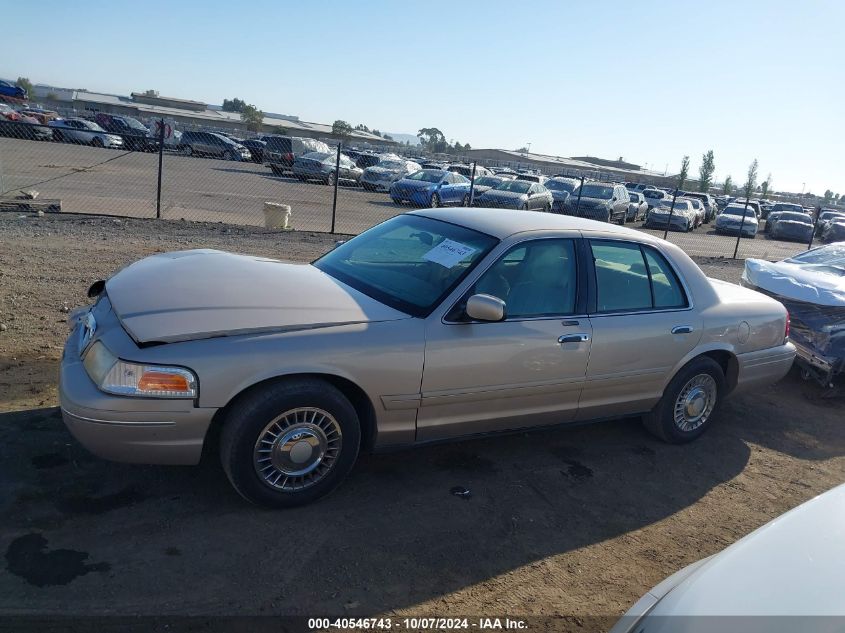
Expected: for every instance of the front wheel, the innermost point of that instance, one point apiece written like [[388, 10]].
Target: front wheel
[[435, 201], [547, 208], [465, 201], [330, 179], [97, 142], [692, 397], [289, 443], [227, 155]]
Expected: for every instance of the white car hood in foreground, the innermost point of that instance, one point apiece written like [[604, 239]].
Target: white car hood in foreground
[[197, 294], [821, 284], [792, 566]]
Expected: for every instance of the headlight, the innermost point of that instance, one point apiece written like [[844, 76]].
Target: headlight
[[124, 378]]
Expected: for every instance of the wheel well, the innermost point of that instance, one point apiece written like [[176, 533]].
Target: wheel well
[[359, 400], [729, 365]]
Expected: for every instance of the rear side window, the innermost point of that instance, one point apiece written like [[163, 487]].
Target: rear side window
[[630, 278]]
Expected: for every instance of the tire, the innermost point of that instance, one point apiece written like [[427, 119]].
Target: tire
[[187, 150], [58, 136], [227, 155], [276, 171], [435, 201], [547, 208], [286, 408], [465, 201], [524, 207], [330, 179], [661, 420], [97, 142]]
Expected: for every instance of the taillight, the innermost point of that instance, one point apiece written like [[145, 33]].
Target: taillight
[[786, 331], [288, 156]]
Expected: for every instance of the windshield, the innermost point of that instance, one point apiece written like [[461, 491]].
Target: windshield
[[749, 212], [409, 263], [426, 175], [680, 205], [795, 217], [561, 185], [517, 186], [134, 123], [597, 191], [91, 125], [826, 215], [225, 139], [788, 207], [488, 181]]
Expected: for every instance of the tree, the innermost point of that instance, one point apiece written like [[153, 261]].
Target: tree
[[387, 137], [26, 84], [766, 185], [150, 93], [467, 147], [376, 132], [341, 129], [682, 176], [252, 117], [705, 172], [729, 185], [751, 181], [430, 135], [233, 105], [362, 128], [828, 196], [522, 150]]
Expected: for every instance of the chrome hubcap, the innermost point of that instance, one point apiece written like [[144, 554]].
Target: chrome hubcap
[[297, 449], [695, 403]]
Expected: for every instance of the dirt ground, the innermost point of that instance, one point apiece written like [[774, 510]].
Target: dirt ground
[[576, 522]]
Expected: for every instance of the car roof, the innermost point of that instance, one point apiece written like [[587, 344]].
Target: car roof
[[501, 223]]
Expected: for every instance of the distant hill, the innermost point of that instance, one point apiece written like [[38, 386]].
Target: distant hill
[[401, 138]]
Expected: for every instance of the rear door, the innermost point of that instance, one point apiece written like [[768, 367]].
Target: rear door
[[643, 325]]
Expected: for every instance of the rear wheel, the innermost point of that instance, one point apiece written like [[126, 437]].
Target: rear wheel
[[276, 170], [524, 207], [692, 397], [289, 443], [187, 150], [465, 201], [435, 201], [547, 208], [330, 179]]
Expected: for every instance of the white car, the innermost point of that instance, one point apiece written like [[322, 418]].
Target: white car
[[681, 217], [83, 131], [699, 209], [785, 576], [389, 170]]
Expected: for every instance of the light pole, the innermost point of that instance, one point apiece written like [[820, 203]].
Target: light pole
[[529, 147]]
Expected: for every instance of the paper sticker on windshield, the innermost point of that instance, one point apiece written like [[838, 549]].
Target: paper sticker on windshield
[[448, 253]]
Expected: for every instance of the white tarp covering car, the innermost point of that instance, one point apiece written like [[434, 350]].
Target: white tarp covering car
[[812, 287]]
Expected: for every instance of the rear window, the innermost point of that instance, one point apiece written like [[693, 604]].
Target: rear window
[[278, 143]]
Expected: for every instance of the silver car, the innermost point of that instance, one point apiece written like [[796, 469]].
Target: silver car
[[517, 194], [380, 177], [83, 131], [436, 324], [781, 578]]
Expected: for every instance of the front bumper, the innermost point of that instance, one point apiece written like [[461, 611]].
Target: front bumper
[[418, 197], [124, 429], [765, 366], [734, 230], [378, 185], [679, 222]]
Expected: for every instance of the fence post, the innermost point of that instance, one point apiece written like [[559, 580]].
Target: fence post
[[336, 179], [742, 224], [815, 227], [671, 213], [472, 185], [161, 125], [578, 202]]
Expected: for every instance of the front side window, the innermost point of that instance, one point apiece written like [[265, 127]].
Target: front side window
[[534, 280], [631, 277], [409, 263]]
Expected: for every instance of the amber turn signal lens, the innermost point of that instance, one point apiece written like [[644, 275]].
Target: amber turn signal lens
[[160, 381]]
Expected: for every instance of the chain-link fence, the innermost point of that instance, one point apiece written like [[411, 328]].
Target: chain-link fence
[[97, 165]]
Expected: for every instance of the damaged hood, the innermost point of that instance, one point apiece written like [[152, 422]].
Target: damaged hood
[[816, 276], [195, 294]]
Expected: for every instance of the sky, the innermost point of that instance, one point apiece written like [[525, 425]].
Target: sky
[[648, 81]]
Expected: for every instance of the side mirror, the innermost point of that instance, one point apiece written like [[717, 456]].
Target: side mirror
[[485, 308]]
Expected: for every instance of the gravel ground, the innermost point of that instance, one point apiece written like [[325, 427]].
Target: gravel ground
[[578, 521]]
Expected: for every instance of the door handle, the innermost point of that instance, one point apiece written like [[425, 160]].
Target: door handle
[[573, 338], [682, 329]]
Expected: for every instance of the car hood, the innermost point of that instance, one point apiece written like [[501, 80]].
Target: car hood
[[415, 184], [381, 171], [196, 294], [596, 202], [789, 567]]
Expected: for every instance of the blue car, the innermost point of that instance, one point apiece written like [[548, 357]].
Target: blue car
[[431, 188], [8, 89]]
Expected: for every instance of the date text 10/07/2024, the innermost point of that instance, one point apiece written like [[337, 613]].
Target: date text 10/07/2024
[[417, 624]]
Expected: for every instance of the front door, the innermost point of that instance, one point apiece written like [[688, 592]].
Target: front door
[[527, 370], [642, 327]]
